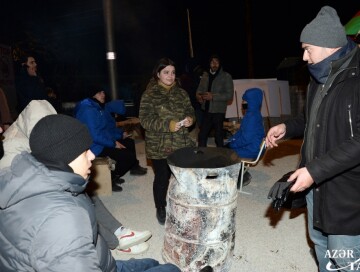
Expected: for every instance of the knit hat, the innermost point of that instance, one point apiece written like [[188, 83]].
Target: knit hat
[[93, 89], [59, 138], [325, 30]]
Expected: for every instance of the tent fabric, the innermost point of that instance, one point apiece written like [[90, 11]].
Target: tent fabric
[[353, 26]]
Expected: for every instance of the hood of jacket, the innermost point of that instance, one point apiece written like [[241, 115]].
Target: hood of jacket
[[254, 98], [16, 137], [114, 106], [26, 177], [86, 102]]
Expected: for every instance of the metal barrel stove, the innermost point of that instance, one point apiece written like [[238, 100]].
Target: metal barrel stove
[[201, 208]]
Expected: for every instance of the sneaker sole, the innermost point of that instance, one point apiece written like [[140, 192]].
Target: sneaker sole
[[135, 250], [132, 242]]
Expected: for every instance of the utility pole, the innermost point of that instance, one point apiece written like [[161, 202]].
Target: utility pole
[[190, 36], [248, 29], [110, 47]]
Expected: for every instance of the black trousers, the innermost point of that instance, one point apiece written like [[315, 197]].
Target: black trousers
[[125, 157], [209, 121], [161, 181]]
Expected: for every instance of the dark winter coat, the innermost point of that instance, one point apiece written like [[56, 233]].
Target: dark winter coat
[[222, 89], [335, 167], [29, 88]]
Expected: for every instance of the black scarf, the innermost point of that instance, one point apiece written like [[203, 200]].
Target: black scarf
[[321, 70]]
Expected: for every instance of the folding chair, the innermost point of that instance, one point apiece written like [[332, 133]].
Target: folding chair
[[246, 164]]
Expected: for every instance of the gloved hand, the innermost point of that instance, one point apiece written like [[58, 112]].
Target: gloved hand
[[279, 192]]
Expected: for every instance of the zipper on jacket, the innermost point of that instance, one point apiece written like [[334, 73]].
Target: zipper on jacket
[[350, 121]]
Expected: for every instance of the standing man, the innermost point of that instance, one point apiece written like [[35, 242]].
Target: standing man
[[330, 161], [215, 89]]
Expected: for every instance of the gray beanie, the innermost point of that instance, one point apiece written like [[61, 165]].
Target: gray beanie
[[325, 30], [59, 138]]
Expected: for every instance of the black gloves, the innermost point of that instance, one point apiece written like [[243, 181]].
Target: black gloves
[[283, 198], [279, 192]]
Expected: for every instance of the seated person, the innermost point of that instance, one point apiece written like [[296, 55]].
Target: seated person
[[247, 140], [16, 140], [55, 227], [109, 140]]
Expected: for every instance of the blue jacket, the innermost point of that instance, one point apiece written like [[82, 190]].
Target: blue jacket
[[101, 123], [246, 141]]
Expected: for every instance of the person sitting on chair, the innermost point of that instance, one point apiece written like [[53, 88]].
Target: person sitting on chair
[[247, 140], [109, 140]]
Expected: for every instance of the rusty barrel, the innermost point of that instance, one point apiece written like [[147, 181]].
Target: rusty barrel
[[201, 208]]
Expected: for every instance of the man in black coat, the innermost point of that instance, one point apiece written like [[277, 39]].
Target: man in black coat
[[330, 167]]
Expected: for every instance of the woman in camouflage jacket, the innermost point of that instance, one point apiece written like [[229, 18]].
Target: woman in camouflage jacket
[[165, 114]]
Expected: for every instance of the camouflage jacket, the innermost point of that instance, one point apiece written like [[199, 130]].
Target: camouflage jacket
[[158, 107]]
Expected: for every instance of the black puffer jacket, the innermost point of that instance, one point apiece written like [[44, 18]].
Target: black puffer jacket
[[335, 166]]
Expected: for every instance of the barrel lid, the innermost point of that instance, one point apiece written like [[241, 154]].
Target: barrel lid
[[203, 157]]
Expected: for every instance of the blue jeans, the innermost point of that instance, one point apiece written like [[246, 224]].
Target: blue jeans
[[145, 264], [327, 244]]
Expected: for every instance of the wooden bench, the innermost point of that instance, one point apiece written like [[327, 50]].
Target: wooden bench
[[132, 125], [100, 178]]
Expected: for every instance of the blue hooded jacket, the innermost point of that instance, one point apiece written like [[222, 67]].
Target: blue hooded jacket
[[101, 123], [246, 141]]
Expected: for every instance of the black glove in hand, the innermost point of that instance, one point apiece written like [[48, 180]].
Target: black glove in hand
[[279, 192], [283, 198]]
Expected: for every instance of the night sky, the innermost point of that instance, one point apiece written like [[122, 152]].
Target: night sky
[[69, 38]]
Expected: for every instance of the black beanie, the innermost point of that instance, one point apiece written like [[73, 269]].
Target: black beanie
[[59, 138], [325, 30], [93, 89]]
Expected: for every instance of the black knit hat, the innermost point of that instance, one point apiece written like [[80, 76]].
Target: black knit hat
[[59, 138], [325, 30], [93, 89]]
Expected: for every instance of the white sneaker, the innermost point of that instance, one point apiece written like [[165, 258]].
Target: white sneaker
[[129, 238], [137, 249]]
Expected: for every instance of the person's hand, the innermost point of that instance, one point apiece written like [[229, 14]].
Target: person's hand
[[126, 135], [207, 96], [188, 121], [199, 98], [303, 180], [119, 145], [274, 134]]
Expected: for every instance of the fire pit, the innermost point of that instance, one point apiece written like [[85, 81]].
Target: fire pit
[[201, 208]]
